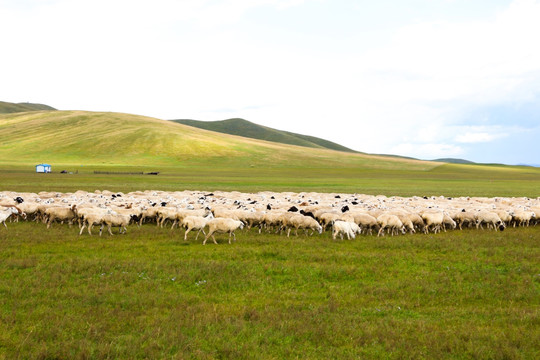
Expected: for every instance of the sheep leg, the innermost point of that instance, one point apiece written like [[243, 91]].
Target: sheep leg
[[82, 228], [198, 232], [109, 226], [174, 224], [101, 229], [210, 233], [185, 234]]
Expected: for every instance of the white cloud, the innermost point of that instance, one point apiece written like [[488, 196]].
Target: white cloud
[[478, 137], [428, 151]]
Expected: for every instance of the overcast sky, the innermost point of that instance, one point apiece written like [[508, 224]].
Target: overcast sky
[[420, 78]]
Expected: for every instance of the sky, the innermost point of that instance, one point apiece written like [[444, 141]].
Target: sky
[[421, 78]]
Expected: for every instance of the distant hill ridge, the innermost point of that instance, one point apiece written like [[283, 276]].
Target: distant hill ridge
[[454, 161], [10, 108], [245, 128]]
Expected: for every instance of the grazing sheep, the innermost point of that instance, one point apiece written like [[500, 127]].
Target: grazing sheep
[[391, 222], [464, 218], [448, 221], [417, 222], [433, 220], [490, 219], [523, 218], [222, 225]]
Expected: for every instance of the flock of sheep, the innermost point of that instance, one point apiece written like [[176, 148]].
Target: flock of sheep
[[225, 212]]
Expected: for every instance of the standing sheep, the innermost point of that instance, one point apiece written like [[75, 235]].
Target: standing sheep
[[222, 225], [196, 223]]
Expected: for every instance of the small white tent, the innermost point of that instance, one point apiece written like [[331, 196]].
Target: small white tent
[[43, 168]]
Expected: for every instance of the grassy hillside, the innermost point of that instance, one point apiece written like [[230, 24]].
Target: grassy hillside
[[8, 108], [88, 138], [248, 129]]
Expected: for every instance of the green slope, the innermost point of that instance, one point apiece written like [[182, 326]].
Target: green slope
[[248, 129], [81, 137], [9, 108]]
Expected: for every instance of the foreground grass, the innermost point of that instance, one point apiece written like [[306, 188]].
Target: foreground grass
[[466, 294]]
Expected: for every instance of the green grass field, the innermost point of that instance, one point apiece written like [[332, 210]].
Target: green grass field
[[148, 294], [447, 180]]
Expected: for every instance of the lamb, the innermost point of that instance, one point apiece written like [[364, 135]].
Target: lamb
[[222, 225], [196, 223], [349, 228], [299, 221], [391, 222]]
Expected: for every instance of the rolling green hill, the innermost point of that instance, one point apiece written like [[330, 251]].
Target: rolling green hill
[[9, 108], [94, 138], [248, 129]]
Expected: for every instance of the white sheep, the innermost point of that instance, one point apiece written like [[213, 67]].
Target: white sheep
[[349, 228], [299, 221], [391, 222], [464, 218], [7, 211], [122, 221], [448, 221], [61, 213], [193, 222], [433, 221], [366, 222], [523, 218], [222, 225], [490, 218], [88, 217]]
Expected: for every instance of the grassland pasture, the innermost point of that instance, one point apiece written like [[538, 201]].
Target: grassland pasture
[[149, 294]]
